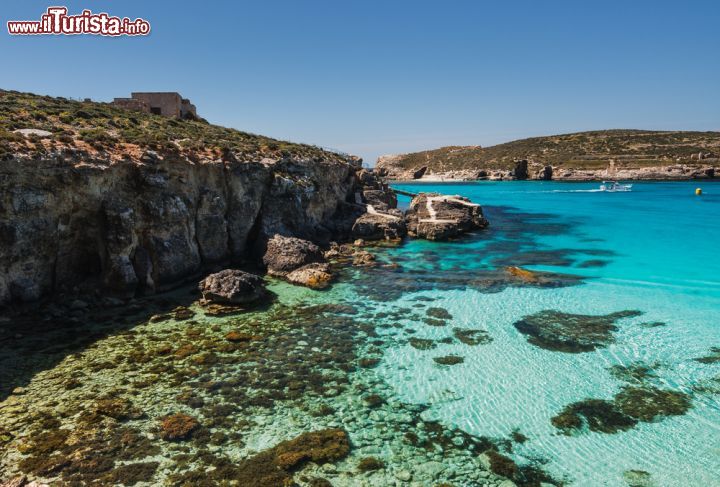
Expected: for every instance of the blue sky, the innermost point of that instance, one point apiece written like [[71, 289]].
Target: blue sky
[[374, 77]]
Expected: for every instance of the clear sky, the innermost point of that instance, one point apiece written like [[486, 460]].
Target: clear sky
[[374, 77]]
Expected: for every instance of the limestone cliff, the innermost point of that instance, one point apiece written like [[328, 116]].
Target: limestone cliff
[[144, 226], [128, 214]]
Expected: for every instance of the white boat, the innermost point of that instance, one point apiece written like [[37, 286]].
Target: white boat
[[614, 187]]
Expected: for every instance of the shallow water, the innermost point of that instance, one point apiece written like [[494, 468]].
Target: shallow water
[[657, 253], [362, 357]]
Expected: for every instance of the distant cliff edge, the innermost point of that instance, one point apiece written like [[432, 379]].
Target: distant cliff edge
[[597, 155]]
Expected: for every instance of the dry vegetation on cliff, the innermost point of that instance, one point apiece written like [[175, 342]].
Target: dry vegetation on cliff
[[105, 130], [582, 150]]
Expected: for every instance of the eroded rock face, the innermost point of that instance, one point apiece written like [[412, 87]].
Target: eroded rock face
[[440, 217], [232, 286], [419, 173], [545, 174], [520, 172], [286, 254], [144, 225]]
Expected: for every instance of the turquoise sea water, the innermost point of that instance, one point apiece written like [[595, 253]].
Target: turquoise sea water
[[654, 250]]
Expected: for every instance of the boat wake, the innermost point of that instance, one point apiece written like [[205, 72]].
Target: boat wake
[[574, 191]]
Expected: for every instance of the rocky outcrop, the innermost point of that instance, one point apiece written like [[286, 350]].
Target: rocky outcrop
[[298, 261], [418, 173], [285, 254], [148, 224], [232, 286], [545, 174], [520, 172], [433, 216], [380, 226]]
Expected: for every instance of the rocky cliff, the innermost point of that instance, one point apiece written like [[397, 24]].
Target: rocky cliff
[[618, 154], [132, 215], [143, 226]]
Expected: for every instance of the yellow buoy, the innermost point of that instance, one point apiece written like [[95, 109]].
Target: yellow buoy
[[698, 191]]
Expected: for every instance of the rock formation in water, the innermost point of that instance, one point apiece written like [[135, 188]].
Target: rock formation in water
[[433, 216], [232, 286]]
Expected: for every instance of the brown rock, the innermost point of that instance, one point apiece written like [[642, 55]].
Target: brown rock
[[274, 467], [232, 286], [315, 276], [285, 254], [177, 427]]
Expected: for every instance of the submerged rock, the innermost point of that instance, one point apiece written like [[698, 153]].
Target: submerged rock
[[422, 343], [285, 254], [571, 333], [433, 216], [633, 373], [363, 258], [630, 406], [177, 427], [449, 360], [648, 403], [369, 464], [472, 337], [522, 274], [712, 358], [637, 478], [232, 286], [596, 414], [274, 467], [438, 313]]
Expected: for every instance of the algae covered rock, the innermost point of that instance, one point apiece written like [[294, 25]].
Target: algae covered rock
[[178, 427], [232, 286], [472, 337], [648, 403], [637, 478], [570, 333], [275, 466], [628, 407], [597, 414], [449, 360]]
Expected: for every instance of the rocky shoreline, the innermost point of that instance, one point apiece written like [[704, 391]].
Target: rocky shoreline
[[132, 228], [534, 172]]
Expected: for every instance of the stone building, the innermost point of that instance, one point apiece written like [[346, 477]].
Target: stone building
[[168, 104]]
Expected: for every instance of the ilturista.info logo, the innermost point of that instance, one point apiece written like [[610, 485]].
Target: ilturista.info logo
[[56, 21]]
